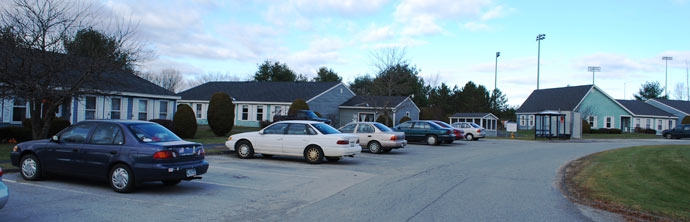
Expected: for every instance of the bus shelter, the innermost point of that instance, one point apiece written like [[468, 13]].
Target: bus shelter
[[550, 124]]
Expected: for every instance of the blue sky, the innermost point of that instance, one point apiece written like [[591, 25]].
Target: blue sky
[[450, 41]]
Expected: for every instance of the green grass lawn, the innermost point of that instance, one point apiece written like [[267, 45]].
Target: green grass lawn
[[648, 179]]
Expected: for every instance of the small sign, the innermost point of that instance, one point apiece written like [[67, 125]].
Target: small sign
[[511, 127]]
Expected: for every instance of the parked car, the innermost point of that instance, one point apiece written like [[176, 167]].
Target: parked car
[[4, 192], [472, 130], [123, 152], [426, 130], [459, 133], [376, 137], [680, 131], [312, 140], [302, 115]]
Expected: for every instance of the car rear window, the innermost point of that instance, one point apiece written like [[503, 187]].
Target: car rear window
[[325, 128], [152, 132], [382, 128]]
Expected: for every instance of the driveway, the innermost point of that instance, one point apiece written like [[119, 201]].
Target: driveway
[[485, 180]]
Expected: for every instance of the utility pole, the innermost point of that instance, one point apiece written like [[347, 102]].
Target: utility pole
[[539, 38]]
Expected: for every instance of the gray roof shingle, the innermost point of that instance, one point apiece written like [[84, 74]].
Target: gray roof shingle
[[375, 101], [259, 91], [565, 98], [641, 108], [681, 105]]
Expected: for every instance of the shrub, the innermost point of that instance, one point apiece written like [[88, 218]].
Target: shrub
[[686, 120], [20, 134], [264, 123], [405, 119], [166, 123], [385, 120], [586, 128], [298, 104], [184, 122], [56, 125], [221, 114]]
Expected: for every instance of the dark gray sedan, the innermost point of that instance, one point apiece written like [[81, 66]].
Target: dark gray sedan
[[123, 152]]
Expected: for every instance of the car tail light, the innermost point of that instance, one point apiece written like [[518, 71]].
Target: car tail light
[[164, 154], [0, 172], [479, 131], [343, 142], [394, 138]]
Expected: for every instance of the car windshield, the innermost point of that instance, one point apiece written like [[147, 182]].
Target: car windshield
[[325, 128], [151, 132], [382, 127]]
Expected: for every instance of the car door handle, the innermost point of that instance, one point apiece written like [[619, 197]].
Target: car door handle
[[368, 135]]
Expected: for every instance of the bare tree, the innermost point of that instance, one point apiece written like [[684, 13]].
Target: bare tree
[[679, 92], [36, 67], [385, 58], [170, 79], [210, 77]]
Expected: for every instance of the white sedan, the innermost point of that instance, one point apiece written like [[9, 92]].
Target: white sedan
[[309, 139]]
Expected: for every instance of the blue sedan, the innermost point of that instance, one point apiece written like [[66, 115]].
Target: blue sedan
[[123, 152]]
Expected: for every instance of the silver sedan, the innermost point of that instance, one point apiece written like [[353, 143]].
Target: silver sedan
[[376, 137]]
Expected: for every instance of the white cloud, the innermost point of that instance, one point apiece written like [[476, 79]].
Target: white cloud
[[474, 26]]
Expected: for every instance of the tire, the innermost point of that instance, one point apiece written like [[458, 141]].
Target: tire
[[244, 150], [313, 154], [171, 182], [30, 168], [375, 147], [668, 136], [121, 179], [469, 137], [432, 140], [332, 158]]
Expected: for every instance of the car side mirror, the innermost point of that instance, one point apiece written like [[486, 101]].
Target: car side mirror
[[55, 138]]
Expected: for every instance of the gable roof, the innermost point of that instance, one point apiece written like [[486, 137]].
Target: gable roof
[[374, 101], [565, 98], [127, 83], [259, 91], [475, 115], [680, 105], [639, 108]]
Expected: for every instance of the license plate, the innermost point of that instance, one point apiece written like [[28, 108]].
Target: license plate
[[191, 172]]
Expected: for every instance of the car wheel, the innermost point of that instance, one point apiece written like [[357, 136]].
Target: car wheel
[[469, 137], [332, 159], [432, 140], [244, 150], [668, 136], [30, 167], [313, 154], [121, 179], [374, 147], [171, 182]]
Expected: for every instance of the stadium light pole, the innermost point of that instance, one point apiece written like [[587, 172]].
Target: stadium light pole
[[496, 70], [593, 69], [539, 38], [666, 58]]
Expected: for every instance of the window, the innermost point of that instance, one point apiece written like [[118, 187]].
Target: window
[[592, 120], [637, 122], [365, 128], [350, 128], [198, 111], [245, 112], [531, 120], [19, 110], [609, 122], [278, 128], [522, 120], [259, 113], [115, 108], [648, 124], [90, 107], [76, 134], [366, 117], [659, 124], [297, 129], [670, 124], [143, 109], [107, 134], [163, 110]]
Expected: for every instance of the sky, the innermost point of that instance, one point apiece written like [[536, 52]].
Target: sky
[[449, 41]]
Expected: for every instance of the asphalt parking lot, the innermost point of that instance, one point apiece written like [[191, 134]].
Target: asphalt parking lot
[[485, 180]]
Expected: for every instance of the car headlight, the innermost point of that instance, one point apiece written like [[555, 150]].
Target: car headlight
[[229, 138]]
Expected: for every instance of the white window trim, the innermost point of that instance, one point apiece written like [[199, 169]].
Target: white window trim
[[613, 122]]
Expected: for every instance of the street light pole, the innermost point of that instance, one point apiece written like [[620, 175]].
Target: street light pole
[[593, 69], [666, 58], [539, 38], [496, 70]]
